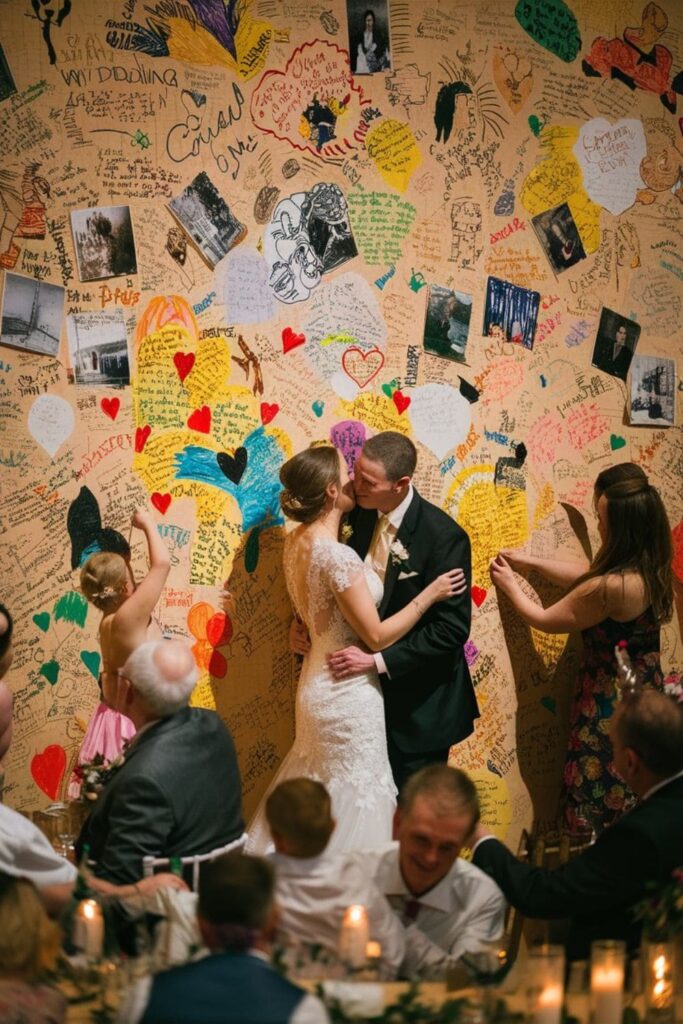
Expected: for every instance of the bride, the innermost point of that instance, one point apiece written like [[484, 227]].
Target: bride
[[339, 726]]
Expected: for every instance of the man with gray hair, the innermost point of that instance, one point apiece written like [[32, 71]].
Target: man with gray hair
[[178, 792]]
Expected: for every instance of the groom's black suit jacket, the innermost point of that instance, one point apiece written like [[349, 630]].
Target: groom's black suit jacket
[[428, 695], [598, 888]]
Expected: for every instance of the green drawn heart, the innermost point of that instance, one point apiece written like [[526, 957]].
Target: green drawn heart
[[42, 621], [616, 442], [318, 407], [389, 388], [51, 671], [550, 703], [91, 660]]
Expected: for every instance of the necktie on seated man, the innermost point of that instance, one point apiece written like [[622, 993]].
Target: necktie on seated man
[[411, 908], [381, 543]]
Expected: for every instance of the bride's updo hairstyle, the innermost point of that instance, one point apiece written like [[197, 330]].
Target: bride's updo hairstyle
[[103, 580], [305, 479]]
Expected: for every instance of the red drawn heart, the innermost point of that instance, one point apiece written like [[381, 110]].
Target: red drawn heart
[[184, 361], [291, 340], [161, 502], [110, 407], [219, 630], [141, 435], [479, 595], [218, 666], [362, 366], [48, 769], [268, 412], [200, 420], [401, 401]]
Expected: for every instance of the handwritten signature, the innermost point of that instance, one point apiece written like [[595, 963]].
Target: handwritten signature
[[186, 138]]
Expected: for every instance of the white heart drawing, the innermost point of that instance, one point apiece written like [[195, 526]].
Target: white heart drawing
[[50, 421], [610, 156], [440, 417]]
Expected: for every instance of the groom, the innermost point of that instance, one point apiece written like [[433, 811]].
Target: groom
[[428, 694]]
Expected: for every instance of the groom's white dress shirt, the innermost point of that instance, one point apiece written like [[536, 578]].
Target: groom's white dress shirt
[[462, 912], [313, 893], [395, 518]]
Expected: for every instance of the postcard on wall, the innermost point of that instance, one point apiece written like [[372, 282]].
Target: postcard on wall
[[32, 313], [98, 349], [558, 234], [653, 391], [103, 240], [511, 312], [369, 46], [615, 343], [7, 86], [206, 218], [447, 322]]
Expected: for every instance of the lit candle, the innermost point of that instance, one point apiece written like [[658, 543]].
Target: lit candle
[[607, 986], [373, 950], [88, 929], [545, 990], [660, 987], [353, 936], [548, 1008]]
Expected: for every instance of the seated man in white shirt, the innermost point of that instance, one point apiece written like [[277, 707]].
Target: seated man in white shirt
[[24, 851], [454, 904], [314, 889]]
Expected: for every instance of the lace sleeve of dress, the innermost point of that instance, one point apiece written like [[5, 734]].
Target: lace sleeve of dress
[[339, 565]]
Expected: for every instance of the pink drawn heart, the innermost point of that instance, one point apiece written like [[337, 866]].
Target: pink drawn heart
[[110, 407], [47, 769], [362, 366]]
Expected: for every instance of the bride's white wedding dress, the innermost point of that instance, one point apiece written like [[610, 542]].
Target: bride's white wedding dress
[[340, 738]]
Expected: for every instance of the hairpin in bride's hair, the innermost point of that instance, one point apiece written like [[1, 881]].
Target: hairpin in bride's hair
[[291, 499], [105, 593]]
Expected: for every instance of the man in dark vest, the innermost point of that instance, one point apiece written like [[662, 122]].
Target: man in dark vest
[[237, 918], [597, 889]]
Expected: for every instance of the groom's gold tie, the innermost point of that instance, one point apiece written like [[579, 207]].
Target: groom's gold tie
[[381, 543]]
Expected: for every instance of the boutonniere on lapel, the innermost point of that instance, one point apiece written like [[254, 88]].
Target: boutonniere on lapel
[[346, 533], [399, 555]]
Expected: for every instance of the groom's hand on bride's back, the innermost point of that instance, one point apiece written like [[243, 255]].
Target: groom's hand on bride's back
[[350, 661], [299, 640]]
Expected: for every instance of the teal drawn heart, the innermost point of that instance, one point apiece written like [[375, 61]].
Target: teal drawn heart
[[550, 703], [389, 388], [91, 660], [616, 442], [42, 621], [318, 407], [51, 671]]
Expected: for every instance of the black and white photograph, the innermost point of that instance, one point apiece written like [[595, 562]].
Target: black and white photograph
[[559, 236], [103, 240], [32, 313], [615, 343], [511, 312], [7, 86], [309, 235], [447, 322], [207, 220], [653, 391], [98, 349], [369, 45]]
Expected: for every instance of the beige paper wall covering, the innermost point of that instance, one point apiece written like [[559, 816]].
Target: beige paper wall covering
[[277, 249]]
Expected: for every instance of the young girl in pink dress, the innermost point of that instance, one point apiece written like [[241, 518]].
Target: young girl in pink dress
[[107, 582]]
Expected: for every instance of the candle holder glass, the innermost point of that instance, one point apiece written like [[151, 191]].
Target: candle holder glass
[[607, 981], [659, 982], [487, 968], [545, 984]]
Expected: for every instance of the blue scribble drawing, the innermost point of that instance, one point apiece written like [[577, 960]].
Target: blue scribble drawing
[[511, 310], [258, 492]]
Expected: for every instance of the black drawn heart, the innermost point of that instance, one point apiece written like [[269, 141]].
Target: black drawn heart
[[233, 466]]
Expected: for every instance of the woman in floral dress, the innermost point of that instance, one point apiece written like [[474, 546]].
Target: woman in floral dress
[[624, 594]]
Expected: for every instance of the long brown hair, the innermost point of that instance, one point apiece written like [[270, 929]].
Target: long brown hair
[[637, 539]]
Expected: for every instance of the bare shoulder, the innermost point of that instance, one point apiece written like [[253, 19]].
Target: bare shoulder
[[625, 595]]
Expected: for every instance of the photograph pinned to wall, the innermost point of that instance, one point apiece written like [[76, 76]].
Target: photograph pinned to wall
[[369, 45], [98, 349], [511, 312], [7, 86], [207, 219], [103, 240], [32, 313], [615, 343], [558, 234], [653, 391], [447, 322], [309, 235]]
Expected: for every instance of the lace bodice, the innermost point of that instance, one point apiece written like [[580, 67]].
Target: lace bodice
[[332, 568]]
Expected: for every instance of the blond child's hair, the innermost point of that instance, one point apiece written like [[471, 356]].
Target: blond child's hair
[[29, 940], [103, 579], [300, 811]]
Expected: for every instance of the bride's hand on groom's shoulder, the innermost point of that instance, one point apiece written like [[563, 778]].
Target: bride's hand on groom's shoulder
[[299, 640], [350, 661]]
